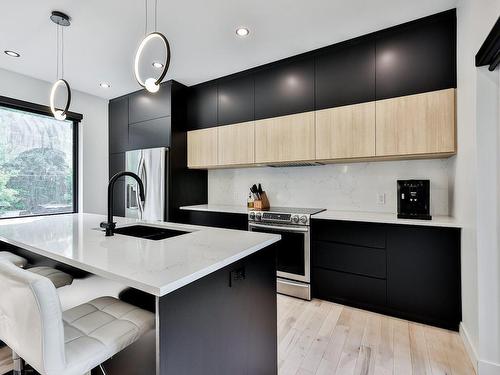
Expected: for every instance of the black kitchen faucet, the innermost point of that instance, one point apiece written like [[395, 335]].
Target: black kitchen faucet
[[110, 225]]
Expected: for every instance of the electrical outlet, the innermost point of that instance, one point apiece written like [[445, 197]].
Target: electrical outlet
[[381, 198]]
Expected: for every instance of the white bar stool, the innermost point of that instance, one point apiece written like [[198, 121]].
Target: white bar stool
[[63, 343], [58, 278], [13, 258]]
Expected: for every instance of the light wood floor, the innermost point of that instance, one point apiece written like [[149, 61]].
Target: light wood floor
[[319, 338]]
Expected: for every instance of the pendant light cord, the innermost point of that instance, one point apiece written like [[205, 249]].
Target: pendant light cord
[[146, 12], [62, 54], [156, 15], [155, 19], [57, 52]]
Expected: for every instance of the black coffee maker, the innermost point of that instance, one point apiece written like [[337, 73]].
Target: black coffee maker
[[414, 199]]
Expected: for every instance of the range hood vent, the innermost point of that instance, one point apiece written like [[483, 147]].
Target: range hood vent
[[295, 164]]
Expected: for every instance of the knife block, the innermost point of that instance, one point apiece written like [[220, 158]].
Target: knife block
[[262, 203]]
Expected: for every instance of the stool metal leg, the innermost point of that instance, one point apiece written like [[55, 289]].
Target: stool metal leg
[[18, 364], [102, 370]]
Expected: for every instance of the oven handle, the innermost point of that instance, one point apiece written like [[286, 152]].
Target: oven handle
[[282, 228]]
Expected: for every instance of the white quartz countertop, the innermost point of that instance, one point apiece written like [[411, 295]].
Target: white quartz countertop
[[370, 217], [155, 267]]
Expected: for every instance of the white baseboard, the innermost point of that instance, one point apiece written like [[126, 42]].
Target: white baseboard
[[481, 367], [488, 368], [469, 348]]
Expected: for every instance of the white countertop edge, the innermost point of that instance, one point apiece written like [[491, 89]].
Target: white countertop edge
[[158, 292], [386, 218], [215, 267], [358, 216]]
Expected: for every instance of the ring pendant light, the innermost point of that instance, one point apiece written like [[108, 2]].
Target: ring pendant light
[[152, 84], [61, 20]]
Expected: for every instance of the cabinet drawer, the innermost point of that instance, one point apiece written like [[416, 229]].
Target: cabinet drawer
[[340, 287], [348, 258], [349, 232]]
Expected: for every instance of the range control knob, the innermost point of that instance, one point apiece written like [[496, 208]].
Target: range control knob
[[258, 216], [252, 215], [303, 219], [295, 219]]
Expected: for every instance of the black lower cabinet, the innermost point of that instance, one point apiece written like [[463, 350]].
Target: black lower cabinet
[[348, 288], [215, 219], [415, 275], [423, 274]]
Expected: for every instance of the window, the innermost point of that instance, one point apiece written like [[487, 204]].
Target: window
[[38, 166]]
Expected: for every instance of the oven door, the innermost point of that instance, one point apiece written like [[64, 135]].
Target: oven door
[[293, 251]]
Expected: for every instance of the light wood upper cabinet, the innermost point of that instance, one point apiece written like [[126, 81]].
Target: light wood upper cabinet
[[202, 148], [236, 144], [285, 138], [346, 132], [416, 124]]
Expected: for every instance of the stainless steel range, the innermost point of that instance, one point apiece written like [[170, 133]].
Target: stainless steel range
[[294, 250]]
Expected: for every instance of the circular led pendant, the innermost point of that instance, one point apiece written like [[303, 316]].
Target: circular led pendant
[[58, 114], [152, 84]]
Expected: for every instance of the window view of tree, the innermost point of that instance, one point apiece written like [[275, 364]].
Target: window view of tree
[[36, 164]]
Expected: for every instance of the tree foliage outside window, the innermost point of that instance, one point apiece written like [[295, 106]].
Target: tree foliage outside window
[[36, 164]]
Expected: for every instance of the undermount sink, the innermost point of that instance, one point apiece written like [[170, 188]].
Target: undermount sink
[[149, 232]]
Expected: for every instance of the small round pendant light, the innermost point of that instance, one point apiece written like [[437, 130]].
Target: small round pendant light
[[61, 20], [152, 84]]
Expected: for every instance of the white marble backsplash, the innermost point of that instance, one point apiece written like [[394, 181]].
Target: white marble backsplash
[[352, 187]]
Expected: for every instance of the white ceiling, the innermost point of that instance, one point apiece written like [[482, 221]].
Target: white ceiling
[[104, 34]]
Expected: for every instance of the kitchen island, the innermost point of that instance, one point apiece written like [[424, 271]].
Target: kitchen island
[[214, 289]]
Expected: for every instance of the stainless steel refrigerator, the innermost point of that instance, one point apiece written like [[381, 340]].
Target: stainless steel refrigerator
[[151, 165]]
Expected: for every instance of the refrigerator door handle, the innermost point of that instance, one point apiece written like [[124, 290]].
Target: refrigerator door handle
[[142, 175]]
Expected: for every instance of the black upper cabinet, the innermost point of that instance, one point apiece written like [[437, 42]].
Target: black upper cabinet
[[285, 88], [236, 100], [345, 74], [150, 134], [144, 105], [202, 106], [417, 57], [118, 125], [116, 163]]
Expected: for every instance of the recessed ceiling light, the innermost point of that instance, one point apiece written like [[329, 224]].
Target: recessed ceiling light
[[157, 65], [11, 53], [105, 85], [242, 31]]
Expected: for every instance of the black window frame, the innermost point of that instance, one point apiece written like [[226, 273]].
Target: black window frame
[[40, 109]]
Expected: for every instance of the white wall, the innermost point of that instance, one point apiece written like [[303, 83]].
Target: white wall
[[93, 147], [488, 217], [475, 181], [349, 187]]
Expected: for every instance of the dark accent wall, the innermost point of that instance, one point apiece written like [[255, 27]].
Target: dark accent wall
[[415, 57], [144, 120]]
